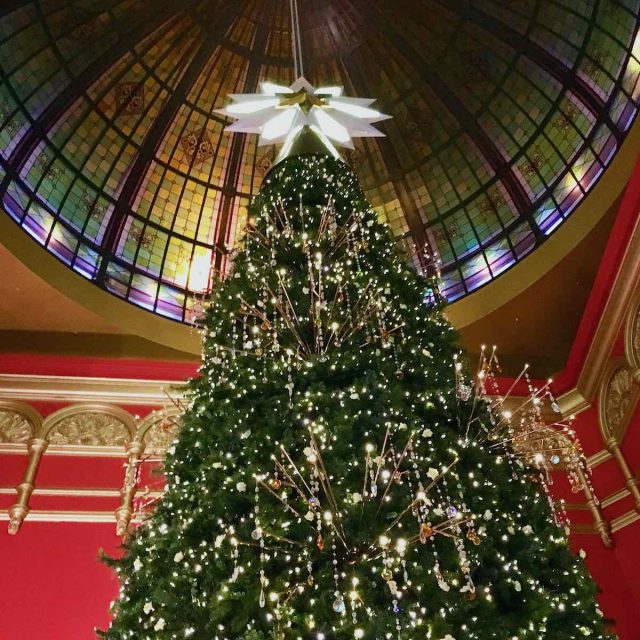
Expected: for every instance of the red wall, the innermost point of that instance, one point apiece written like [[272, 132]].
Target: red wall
[[616, 570], [53, 585]]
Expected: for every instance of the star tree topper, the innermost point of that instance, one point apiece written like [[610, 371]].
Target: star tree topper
[[280, 114]]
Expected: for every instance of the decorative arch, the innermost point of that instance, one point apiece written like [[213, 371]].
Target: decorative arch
[[19, 422], [632, 338], [617, 400], [158, 430], [89, 425]]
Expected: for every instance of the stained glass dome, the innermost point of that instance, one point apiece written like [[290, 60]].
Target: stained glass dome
[[505, 114]]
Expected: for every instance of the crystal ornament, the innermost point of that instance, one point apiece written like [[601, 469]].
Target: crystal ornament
[[256, 534]]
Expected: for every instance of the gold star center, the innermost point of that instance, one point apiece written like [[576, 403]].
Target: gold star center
[[305, 100]]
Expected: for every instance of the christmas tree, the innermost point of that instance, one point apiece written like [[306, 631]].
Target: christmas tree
[[333, 477]]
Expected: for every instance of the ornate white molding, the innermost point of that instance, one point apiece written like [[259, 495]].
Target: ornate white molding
[[621, 494], [120, 391], [598, 458], [624, 520], [81, 451], [75, 492], [66, 516]]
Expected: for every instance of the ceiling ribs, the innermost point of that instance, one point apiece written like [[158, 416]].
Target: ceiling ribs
[[80, 84], [9, 6], [567, 76], [480, 139], [468, 122], [395, 174], [156, 133], [359, 86], [229, 192]]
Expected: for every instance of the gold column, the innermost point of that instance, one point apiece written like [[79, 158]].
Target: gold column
[[629, 481], [601, 524], [18, 512], [124, 512]]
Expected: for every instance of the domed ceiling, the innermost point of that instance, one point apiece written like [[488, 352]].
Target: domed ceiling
[[505, 114]]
